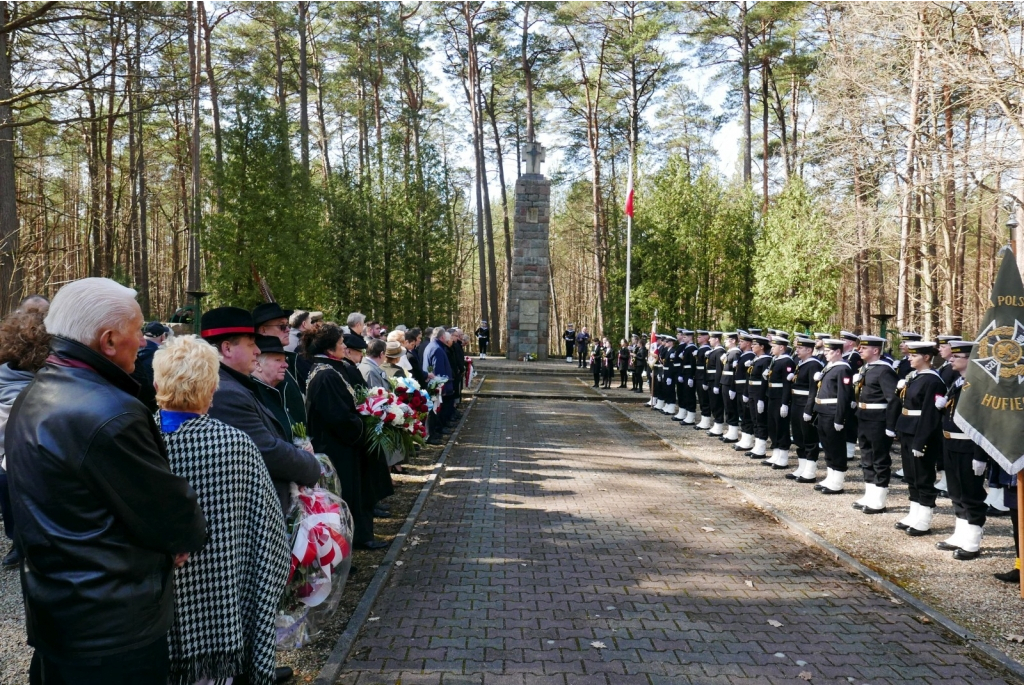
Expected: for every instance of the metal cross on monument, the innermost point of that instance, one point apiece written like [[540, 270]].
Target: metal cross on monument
[[534, 154]]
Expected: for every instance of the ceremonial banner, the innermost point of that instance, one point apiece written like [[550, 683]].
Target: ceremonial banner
[[991, 407]]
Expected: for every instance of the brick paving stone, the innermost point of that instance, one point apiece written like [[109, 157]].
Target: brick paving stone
[[558, 524]]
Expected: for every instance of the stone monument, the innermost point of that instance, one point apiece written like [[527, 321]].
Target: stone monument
[[529, 292]]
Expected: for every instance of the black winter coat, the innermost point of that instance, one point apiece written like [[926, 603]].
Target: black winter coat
[[99, 511]]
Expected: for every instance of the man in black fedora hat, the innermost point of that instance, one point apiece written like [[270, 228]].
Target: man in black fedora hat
[[271, 320], [232, 331]]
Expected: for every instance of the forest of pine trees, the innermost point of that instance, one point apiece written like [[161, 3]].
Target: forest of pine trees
[[361, 156]]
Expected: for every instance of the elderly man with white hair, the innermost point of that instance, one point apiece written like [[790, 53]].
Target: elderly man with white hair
[[102, 520]]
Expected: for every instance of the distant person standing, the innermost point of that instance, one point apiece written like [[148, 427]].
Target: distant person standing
[[582, 346], [570, 342], [483, 338]]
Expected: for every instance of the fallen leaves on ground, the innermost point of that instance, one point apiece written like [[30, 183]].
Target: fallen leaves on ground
[[806, 675], [775, 624], [750, 583], [597, 644], [1014, 638], [707, 529]]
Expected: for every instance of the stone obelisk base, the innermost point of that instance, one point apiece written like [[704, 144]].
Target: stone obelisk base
[[529, 292]]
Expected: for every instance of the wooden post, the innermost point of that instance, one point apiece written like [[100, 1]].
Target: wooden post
[[1011, 225]]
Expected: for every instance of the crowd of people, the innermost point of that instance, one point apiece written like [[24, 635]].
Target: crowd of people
[[146, 476], [832, 397]]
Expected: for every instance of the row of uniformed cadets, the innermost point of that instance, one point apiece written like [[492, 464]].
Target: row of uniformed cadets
[[825, 395]]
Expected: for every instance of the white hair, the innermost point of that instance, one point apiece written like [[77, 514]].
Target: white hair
[[355, 318], [82, 309], [438, 333]]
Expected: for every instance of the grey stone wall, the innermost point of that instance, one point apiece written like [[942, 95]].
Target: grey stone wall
[[529, 293]]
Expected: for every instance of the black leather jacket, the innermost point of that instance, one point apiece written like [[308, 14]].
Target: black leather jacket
[[99, 511]]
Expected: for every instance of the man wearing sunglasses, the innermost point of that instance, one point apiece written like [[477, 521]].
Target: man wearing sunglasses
[[271, 320]]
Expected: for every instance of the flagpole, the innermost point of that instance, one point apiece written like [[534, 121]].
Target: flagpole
[[629, 241]]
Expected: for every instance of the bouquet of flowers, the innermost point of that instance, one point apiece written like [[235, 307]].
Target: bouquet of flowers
[[435, 385], [320, 533], [391, 424]]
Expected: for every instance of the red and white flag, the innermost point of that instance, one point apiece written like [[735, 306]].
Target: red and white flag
[[629, 200]]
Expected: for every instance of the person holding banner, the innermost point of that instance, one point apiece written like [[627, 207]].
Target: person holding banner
[[919, 428]]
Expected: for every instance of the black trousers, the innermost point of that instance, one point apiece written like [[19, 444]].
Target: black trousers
[[833, 442], [568, 349], [717, 402], [778, 426], [606, 376], [5, 506], [850, 429], [760, 419], [596, 370], [638, 378], [732, 414], [919, 472], [483, 346], [623, 372], [668, 388], [805, 435], [581, 355], [965, 489], [149, 665], [744, 409], [702, 397], [875, 459]]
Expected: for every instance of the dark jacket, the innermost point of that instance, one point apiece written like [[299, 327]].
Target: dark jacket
[[235, 404], [435, 360], [336, 428], [271, 398], [416, 362], [99, 511], [143, 375]]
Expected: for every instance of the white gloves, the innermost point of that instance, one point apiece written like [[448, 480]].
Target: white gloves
[[918, 453], [940, 401], [979, 467], [838, 427], [679, 379], [716, 390], [732, 394], [760, 406], [704, 385], [668, 380], [889, 433], [857, 378], [817, 376], [690, 382], [766, 373], [790, 377], [735, 364], [807, 418], [901, 384], [784, 411], [745, 399], [748, 363]]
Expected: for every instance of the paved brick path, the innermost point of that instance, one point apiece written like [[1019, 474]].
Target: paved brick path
[[561, 524]]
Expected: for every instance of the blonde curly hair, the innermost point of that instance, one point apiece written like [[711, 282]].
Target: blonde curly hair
[[186, 374]]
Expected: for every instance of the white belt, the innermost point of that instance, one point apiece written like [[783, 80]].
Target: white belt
[[755, 382], [801, 392], [738, 382], [827, 400], [776, 385], [727, 373], [872, 405], [956, 436], [911, 412], [688, 366]]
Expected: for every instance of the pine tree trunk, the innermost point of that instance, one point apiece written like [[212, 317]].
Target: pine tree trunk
[[303, 90], [902, 285], [10, 271]]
